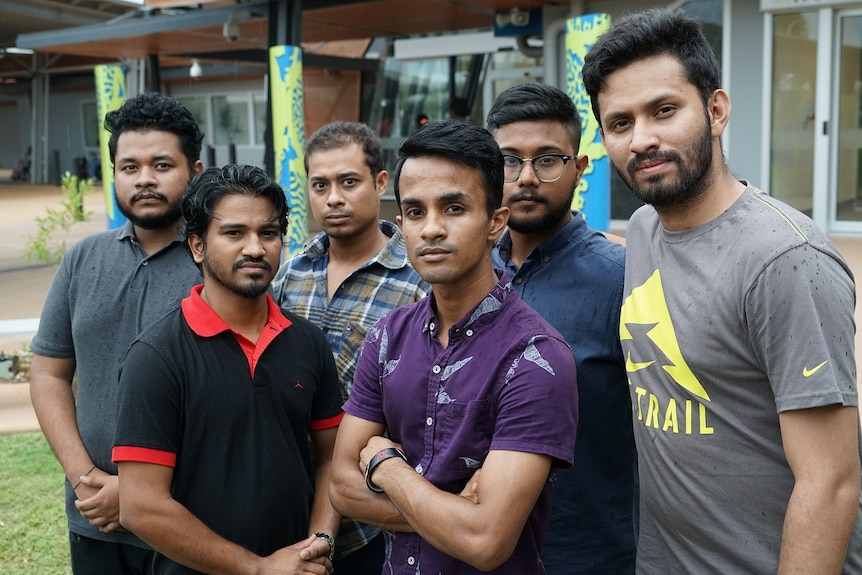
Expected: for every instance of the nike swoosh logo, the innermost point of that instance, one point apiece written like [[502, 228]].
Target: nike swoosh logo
[[632, 366], [809, 372]]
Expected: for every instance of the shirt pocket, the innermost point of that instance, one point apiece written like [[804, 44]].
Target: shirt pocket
[[345, 361], [465, 437]]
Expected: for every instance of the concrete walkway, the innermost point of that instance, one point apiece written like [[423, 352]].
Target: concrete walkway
[[24, 284]]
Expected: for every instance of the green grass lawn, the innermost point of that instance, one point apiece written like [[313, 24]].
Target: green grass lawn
[[34, 539]]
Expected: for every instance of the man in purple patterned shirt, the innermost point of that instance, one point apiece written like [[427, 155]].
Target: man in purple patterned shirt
[[468, 379]]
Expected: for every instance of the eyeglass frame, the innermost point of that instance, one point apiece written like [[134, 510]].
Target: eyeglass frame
[[565, 157]]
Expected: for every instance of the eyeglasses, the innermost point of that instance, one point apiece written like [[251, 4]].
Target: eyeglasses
[[548, 167]]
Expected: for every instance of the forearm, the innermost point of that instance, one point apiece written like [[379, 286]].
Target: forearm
[[173, 531], [482, 539], [54, 404], [352, 498], [324, 517], [817, 527]]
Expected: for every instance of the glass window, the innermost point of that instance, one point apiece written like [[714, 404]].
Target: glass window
[[198, 107], [259, 103], [230, 119], [92, 124]]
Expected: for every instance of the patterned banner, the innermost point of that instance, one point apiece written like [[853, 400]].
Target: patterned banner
[[593, 195], [110, 95], [288, 138]]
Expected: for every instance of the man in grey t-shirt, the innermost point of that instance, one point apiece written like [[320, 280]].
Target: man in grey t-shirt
[[108, 287], [737, 328]]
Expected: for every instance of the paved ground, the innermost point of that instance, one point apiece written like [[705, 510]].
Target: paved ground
[[24, 284]]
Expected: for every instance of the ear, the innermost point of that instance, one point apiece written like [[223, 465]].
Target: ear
[[382, 180], [718, 109], [581, 163], [499, 219], [197, 246], [199, 167]]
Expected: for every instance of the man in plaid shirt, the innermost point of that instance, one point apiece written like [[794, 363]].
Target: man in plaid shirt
[[348, 276]]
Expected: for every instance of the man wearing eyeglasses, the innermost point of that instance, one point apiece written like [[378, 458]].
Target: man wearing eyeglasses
[[573, 276]]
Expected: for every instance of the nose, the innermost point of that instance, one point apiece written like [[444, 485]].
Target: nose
[[335, 197], [145, 177], [253, 247], [643, 138], [528, 177], [433, 227]]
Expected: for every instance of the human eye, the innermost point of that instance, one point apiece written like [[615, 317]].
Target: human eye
[[318, 186], [413, 213], [511, 161], [665, 110], [547, 160], [349, 182], [128, 168], [455, 209]]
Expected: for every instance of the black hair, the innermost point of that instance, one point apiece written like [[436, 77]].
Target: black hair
[[646, 34], [154, 111], [341, 134], [461, 142], [531, 102], [207, 189]]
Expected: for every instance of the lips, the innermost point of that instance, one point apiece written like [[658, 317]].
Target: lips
[[336, 218], [148, 197]]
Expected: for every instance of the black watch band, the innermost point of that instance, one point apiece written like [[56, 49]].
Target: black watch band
[[381, 455]]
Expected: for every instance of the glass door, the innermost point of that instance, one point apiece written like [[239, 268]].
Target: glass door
[[794, 83], [846, 199]]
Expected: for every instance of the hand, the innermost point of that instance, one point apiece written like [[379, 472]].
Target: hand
[[99, 500], [289, 560], [374, 446], [471, 490]]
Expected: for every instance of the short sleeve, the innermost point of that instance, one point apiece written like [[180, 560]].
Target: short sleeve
[[799, 314]]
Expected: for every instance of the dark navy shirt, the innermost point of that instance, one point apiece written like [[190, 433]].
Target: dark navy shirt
[[506, 381], [574, 279]]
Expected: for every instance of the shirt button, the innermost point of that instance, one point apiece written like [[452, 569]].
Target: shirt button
[[546, 259], [519, 281], [145, 262], [411, 560], [429, 421], [419, 469], [435, 369], [431, 326], [469, 332]]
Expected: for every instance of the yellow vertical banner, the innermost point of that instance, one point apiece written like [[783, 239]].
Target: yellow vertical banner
[[110, 95], [288, 138], [593, 194]]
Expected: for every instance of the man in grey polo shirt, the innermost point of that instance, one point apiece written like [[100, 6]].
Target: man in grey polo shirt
[[108, 287]]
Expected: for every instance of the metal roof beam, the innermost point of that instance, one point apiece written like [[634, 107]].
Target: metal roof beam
[[141, 26]]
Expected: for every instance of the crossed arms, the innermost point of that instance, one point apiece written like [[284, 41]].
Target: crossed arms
[[489, 514]]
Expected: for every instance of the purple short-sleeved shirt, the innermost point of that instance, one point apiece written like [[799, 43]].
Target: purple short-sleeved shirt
[[506, 381]]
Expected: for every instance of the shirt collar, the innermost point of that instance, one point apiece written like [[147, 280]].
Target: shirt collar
[[484, 312], [206, 323], [392, 256], [575, 228]]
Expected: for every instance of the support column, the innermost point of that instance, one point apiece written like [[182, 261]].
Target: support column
[[110, 95], [593, 194], [286, 152]]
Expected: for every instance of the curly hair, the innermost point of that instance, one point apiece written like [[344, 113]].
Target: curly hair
[[154, 111]]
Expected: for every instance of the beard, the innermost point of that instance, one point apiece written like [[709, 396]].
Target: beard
[[251, 289], [541, 222], [689, 184], [171, 215]]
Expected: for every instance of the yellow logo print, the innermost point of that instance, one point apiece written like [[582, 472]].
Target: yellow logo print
[[646, 308], [809, 372]]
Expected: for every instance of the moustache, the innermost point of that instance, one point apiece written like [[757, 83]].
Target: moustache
[[148, 194], [527, 195], [651, 156], [426, 247], [262, 263]]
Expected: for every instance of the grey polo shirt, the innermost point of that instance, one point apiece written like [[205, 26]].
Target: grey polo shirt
[[104, 293]]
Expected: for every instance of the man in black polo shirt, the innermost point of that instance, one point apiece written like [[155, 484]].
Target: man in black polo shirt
[[217, 401]]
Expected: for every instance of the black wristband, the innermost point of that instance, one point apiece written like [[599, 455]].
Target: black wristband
[[382, 455]]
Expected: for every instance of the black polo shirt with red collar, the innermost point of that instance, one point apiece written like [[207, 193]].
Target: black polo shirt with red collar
[[232, 418]]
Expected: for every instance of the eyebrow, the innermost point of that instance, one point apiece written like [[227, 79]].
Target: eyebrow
[[445, 198], [539, 151], [131, 159], [651, 104], [340, 176]]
